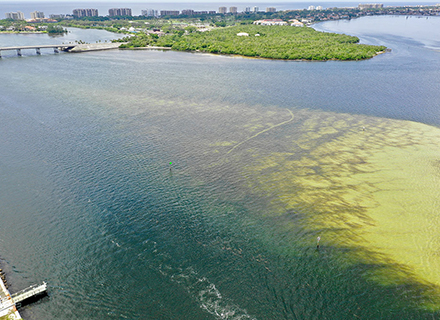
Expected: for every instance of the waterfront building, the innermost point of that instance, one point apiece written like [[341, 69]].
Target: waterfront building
[[15, 15], [188, 12], [311, 8], [271, 9], [114, 12], [270, 22], [79, 13], [247, 9], [222, 10], [150, 13], [57, 16], [370, 6], [255, 9], [233, 10], [169, 13], [296, 23], [37, 15], [319, 8]]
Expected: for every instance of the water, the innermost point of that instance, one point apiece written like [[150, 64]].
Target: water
[[74, 35], [89, 203]]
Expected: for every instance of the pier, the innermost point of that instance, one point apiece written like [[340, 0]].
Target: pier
[[29, 292], [9, 303], [56, 48]]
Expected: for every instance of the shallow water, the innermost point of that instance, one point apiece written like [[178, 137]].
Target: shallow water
[[266, 156]]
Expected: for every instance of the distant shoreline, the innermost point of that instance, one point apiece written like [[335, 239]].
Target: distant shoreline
[[23, 32]]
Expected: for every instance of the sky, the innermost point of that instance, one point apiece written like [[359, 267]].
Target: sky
[[180, 1]]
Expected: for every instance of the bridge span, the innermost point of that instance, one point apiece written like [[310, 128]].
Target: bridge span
[[56, 48]]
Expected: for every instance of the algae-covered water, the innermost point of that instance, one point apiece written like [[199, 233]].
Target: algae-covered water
[[165, 185]]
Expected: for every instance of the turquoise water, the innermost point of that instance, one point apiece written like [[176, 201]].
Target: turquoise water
[[89, 203]]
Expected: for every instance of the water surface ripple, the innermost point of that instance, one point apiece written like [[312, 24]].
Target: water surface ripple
[[266, 156]]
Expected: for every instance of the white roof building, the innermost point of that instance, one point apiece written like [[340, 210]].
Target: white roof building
[[270, 22]]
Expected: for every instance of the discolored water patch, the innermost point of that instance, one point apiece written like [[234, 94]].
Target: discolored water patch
[[363, 182]]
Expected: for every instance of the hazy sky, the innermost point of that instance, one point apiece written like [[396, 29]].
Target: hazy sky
[[256, 2]]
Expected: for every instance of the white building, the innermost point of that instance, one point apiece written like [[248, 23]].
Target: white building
[[233, 10], [57, 16], [15, 15], [319, 8], [119, 12], [37, 15], [311, 8], [222, 10], [79, 13], [296, 23], [270, 22], [150, 13], [255, 9]]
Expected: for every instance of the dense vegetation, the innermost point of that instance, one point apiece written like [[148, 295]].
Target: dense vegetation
[[276, 42], [55, 29]]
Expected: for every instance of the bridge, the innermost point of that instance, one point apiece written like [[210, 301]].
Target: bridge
[[56, 48]]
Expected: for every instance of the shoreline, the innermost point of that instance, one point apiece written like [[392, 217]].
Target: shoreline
[[8, 309], [249, 57], [148, 48], [87, 47], [23, 32]]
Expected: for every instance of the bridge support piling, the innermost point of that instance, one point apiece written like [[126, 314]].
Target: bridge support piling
[[56, 50], [19, 52], [0, 53], [38, 50]]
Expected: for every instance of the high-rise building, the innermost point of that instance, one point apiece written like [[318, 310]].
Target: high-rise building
[[37, 15], [370, 6], [150, 13], [57, 16], [255, 9], [233, 10], [188, 12], [169, 13], [15, 15], [222, 10], [271, 9], [319, 8], [311, 8], [114, 12], [79, 13]]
